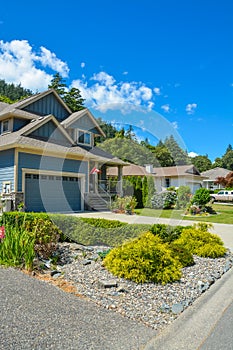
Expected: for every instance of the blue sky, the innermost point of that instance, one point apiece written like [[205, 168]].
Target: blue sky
[[173, 59]]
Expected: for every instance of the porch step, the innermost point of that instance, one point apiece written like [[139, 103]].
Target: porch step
[[95, 201]]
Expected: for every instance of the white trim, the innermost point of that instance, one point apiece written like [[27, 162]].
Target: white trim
[[10, 126], [77, 130], [6, 187]]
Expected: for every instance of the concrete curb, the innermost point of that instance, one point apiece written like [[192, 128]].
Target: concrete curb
[[195, 324]]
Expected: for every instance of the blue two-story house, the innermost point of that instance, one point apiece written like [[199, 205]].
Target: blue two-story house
[[47, 156]]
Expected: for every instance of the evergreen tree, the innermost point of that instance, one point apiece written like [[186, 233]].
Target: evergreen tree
[[202, 163], [109, 130], [129, 150], [227, 160], [138, 192], [58, 84], [151, 190], [179, 156], [74, 100], [144, 191], [71, 97]]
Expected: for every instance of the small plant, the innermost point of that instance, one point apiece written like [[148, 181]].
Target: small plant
[[125, 204], [103, 254], [183, 197], [166, 232], [17, 248], [201, 197], [163, 200]]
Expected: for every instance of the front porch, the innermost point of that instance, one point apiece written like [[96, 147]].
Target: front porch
[[102, 190]]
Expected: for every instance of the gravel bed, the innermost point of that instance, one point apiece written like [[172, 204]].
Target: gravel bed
[[152, 304]]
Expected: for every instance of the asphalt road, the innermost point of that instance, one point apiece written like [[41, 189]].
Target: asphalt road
[[35, 315]]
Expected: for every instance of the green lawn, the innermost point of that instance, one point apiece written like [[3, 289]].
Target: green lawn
[[224, 216]]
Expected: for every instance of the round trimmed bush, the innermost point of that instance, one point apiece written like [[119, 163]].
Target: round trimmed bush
[[144, 259], [201, 242]]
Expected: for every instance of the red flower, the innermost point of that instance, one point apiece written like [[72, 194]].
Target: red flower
[[2, 232]]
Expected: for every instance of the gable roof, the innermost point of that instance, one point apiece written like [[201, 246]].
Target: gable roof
[[37, 123], [16, 109], [79, 114], [179, 170], [31, 99], [212, 174], [30, 127], [172, 171]]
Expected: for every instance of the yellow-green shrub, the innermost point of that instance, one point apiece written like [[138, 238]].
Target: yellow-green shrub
[[144, 259], [201, 242], [181, 253]]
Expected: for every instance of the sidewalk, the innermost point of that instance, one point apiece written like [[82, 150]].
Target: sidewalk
[[223, 230]]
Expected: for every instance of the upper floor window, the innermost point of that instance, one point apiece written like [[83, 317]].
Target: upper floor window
[[84, 137], [5, 126]]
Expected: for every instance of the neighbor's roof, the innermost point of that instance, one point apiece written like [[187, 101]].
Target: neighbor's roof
[[130, 170], [172, 171], [178, 170], [212, 174]]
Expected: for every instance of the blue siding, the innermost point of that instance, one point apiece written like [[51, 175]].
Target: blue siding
[[7, 168], [85, 123], [49, 131], [48, 105], [33, 161], [19, 123]]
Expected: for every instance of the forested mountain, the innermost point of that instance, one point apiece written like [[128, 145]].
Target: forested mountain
[[10, 93]]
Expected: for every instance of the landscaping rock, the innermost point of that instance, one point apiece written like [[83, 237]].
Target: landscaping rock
[[153, 304], [107, 284], [177, 308]]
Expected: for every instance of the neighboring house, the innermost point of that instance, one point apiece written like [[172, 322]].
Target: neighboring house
[[176, 176], [164, 177], [212, 175], [47, 155]]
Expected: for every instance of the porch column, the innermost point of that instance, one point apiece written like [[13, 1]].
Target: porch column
[[120, 180], [96, 182]]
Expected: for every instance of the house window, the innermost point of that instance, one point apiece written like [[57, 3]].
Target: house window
[[167, 183], [83, 137], [6, 188], [5, 126]]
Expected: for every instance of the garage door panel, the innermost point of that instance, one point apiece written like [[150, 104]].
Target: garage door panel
[[52, 193]]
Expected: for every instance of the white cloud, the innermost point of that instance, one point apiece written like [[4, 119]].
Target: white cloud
[[175, 125], [190, 108], [49, 59], [125, 73], [82, 64], [19, 64], [166, 108], [192, 154], [157, 91], [105, 93]]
